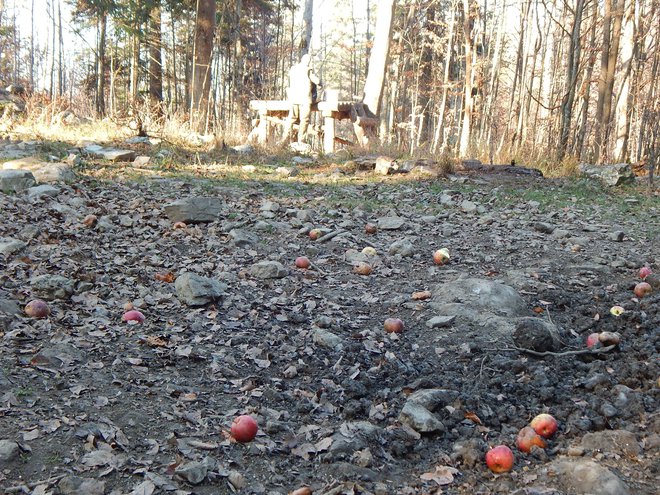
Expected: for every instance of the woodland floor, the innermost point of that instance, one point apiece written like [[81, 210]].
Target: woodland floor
[[145, 408]]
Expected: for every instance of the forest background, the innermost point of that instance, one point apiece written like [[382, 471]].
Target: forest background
[[548, 83]]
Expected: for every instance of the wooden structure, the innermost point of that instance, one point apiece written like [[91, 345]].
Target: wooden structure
[[276, 112]]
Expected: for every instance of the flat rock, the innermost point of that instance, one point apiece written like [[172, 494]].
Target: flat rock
[[59, 356], [9, 246], [620, 442], [610, 175], [386, 165], [326, 338], [44, 172], [52, 286], [43, 190], [111, 154], [75, 485], [195, 210], [195, 290], [536, 334], [585, 476], [242, 238], [419, 418], [441, 321], [402, 247], [268, 269], [15, 181], [390, 223], [433, 398], [468, 206], [8, 451]]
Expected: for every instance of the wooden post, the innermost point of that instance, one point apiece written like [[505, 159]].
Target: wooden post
[[262, 132], [328, 134]]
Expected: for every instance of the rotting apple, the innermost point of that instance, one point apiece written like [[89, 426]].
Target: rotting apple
[[592, 339], [545, 425], [244, 428], [617, 310], [642, 289], [528, 438], [90, 220], [314, 234], [370, 228], [441, 256], [133, 315], [644, 272], [609, 338], [393, 325], [369, 251], [362, 268], [37, 308], [500, 459], [179, 225], [303, 262]]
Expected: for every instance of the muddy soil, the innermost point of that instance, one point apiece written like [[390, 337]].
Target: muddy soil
[[92, 404]]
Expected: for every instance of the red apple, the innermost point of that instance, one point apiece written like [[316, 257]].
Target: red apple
[[644, 272], [393, 325], [303, 262], [527, 438], [441, 256], [592, 339], [362, 268], [545, 425], [244, 428], [133, 315], [370, 228], [37, 309], [500, 459], [90, 220], [609, 338], [315, 234], [642, 289]]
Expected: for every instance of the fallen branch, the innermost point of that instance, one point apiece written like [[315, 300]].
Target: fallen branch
[[330, 236], [26, 488], [601, 350]]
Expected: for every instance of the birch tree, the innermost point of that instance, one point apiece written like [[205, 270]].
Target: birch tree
[[201, 77]]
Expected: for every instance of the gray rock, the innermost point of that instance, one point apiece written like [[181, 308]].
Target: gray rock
[[52, 286], [195, 290], [141, 161], [479, 294], [43, 172], [59, 356], [386, 165], [584, 476], [15, 181], [536, 334], [111, 154], [9, 307], [43, 190], [354, 435], [617, 236], [242, 149], [402, 247], [326, 338], [610, 175], [287, 171], [195, 210], [433, 398], [305, 215], [544, 227], [354, 256], [73, 159], [619, 442], [5, 383], [268, 269], [270, 206], [390, 223], [419, 418], [195, 472], [441, 321], [8, 451], [468, 206], [242, 238], [75, 485], [470, 452], [9, 246]]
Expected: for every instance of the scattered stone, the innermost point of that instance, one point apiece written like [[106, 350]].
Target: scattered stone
[[242, 238], [9, 307], [578, 475], [470, 452], [610, 175], [287, 171], [617, 236], [58, 356], [419, 418], [43, 172], [391, 223], [268, 269], [72, 159], [195, 290], [16, 181], [536, 334], [195, 472], [544, 227], [141, 161], [43, 190], [441, 321], [8, 451], [242, 149], [195, 210], [402, 247], [9, 246], [249, 169], [52, 286], [74, 485], [619, 442], [480, 294], [433, 398], [386, 165], [468, 206], [110, 154], [326, 338]]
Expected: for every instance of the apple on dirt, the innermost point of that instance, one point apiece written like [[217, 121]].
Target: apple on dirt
[[393, 325], [369, 251], [362, 268], [370, 228], [617, 310], [441, 256], [644, 272], [303, 262], [133, 316], [500, 459], [314, 234], [37, 308], [642, 289], [544, 424], [592, 339], [528, 438], [244, 428]]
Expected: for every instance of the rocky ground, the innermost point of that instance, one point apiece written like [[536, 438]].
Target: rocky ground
[[90, 404]]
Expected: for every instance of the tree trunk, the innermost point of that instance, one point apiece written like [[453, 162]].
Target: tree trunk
[[373, 86], [100, 64], [155, 58], [201, 77], [624, 95], [468, 96], [308, 14]]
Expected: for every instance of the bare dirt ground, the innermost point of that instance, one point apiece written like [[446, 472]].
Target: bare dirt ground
[[91, 404]]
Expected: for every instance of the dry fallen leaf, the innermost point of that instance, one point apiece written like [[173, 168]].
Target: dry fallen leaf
[[443, 475], [167, 277], [472, 417], [305, 490], [421, 295]]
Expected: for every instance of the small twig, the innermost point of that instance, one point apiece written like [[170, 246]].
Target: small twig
[[330, 236], [602, 350], [34, 484], [318, 268]]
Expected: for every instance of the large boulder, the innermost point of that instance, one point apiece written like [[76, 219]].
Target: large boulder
[[611, 175], [52, 286], [15, 181], [195, 290], [44, 172]]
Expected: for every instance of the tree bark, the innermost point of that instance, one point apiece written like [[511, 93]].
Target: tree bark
[[468, 96], [373, 86], [624, 95], [201, 77], [155, 58], [101, 64], [308, 14]]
